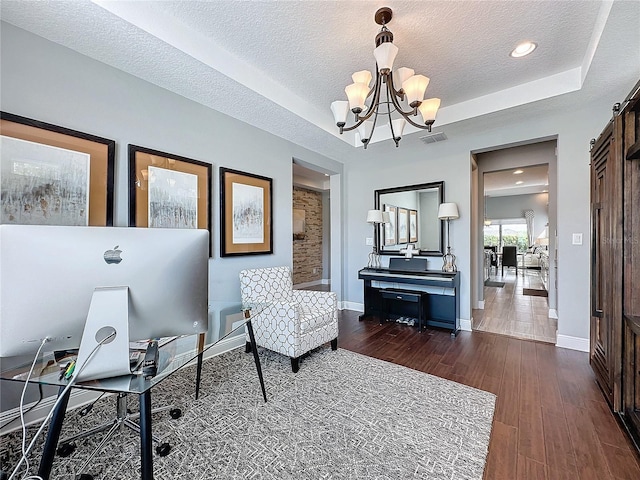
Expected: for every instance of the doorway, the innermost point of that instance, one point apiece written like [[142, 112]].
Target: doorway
[[516, 215]]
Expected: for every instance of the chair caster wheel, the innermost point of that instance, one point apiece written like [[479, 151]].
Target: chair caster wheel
[[175, 413], [84, 476], [163, 449], [66, 449]]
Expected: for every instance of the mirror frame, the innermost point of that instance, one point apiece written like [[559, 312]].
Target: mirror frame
[[407, 188]]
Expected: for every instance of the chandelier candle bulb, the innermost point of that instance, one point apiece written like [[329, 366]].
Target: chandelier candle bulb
[[401, 75], [397, 127], [429, 110], [365, 131]]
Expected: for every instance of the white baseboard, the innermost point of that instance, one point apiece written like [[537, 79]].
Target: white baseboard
[[80, 398], [324, 281], [572, 343], [465, 324], [480, 304], [553, 313], [357, 307]]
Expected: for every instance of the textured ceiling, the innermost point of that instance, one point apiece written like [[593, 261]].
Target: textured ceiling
[[278, 65]]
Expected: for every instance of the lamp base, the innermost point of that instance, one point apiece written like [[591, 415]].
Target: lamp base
[[374, 260], [449, 262]]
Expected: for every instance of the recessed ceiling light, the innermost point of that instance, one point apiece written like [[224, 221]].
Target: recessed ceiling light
[[518, 172], [519, 182], [525, 48]]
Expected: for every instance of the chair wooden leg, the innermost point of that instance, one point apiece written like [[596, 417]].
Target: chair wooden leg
[[295, 364], [334, 344], [247, 347]]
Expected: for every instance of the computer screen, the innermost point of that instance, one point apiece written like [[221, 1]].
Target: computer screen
[[48, 275]]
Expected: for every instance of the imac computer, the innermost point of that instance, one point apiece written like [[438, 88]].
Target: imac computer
[[132, 283]]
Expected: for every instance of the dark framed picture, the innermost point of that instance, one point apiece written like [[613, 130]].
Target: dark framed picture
[[413, 225], [389, 231], [403, 225], [168, 191], [246, 206], [51, 175]]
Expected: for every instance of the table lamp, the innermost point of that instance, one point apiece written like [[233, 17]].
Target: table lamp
[[376, 217], [448, 211]]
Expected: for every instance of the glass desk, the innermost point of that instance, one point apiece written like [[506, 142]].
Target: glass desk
[[225, 319]]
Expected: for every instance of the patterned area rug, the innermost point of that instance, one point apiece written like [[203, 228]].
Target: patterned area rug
[[492, 283], [342, 416]]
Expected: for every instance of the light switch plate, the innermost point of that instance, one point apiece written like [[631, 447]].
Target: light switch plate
[[369, 241], [577, 239]]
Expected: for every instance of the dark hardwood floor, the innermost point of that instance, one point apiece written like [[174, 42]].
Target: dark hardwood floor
[[551, 420]]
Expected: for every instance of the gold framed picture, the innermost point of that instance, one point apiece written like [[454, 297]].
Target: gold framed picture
[[51, 175], [246, 226], [168, 191]]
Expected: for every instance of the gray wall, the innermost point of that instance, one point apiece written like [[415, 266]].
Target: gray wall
[[47, 82], [513, 206]]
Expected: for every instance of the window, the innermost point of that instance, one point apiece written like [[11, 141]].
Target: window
[[507, 232]]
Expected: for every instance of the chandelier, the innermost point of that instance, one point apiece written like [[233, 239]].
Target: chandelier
[[397, 95]]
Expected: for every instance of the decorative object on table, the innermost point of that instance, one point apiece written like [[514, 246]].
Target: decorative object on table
[[409, 252], [403, 225], [298, 224], [377, 218], [448, 212], [52, 175], [246, 204], [168, 191], [390, 226], [399, 93], [292, 322], [413, 225]]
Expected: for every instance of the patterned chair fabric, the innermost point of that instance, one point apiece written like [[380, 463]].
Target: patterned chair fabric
[[292, 322]]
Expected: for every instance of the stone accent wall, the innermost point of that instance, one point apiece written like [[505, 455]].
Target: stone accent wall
[[307, 253]]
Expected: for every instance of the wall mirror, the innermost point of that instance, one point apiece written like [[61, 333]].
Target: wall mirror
[[413, 215]]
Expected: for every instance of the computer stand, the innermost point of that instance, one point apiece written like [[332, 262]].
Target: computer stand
[[123, 419]]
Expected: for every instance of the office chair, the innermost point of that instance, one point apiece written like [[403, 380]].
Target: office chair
[[509, 258]]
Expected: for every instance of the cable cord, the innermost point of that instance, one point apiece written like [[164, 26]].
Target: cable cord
[[71, 383]]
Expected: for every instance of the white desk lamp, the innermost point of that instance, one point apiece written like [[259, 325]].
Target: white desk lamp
[[448, 211]]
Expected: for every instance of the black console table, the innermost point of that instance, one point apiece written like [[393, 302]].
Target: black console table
[[442, 305]]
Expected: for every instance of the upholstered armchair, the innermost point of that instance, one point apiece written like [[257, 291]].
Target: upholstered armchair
[[290, 322]]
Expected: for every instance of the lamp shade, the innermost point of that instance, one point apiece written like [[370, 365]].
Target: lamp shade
[[398, 126], [414, 88], [448, 211], [340, 109], [385, 54], [363, 76], [400, 75], [365, 130], [357, 94], [374, 216], [429, 109]]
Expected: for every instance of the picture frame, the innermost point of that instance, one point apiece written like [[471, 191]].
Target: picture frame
[[52, 175], [246, 206], [413, 225], [169, 191], [403, 225], [389, 231]]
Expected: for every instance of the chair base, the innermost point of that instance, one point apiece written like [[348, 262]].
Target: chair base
[[295, 361]]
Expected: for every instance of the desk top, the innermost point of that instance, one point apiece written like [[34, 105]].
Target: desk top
[[225, 318]]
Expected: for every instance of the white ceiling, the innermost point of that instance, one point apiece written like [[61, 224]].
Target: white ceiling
[[503, 183], [279, 65]]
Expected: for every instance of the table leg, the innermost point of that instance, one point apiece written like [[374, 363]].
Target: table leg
[[200, 347], [53, 435], [146, 439], [254, 348]]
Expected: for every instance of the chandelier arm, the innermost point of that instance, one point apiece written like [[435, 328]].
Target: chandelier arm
[[393, 135], [402, 112], [391, 87]]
